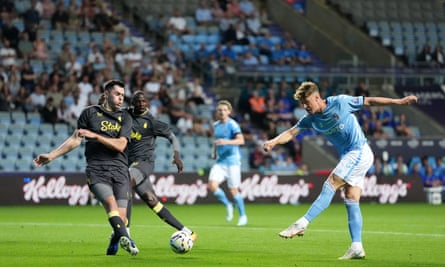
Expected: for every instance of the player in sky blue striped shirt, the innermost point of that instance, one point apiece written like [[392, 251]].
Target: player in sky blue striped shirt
[[226, 151], [334, 118]]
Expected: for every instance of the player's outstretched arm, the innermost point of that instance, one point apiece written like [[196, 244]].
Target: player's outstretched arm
[[71, 143], [282, 138], [176, 151], [407, 100]]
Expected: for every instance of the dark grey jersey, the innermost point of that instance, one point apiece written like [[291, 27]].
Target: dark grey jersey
[[108, 124], [143, 136]]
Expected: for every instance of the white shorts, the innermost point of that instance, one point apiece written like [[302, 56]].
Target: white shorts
[[353, 166], [220, 173]]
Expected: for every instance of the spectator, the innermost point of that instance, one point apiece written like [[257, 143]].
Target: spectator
[[429, 179], [84, 88], [22, 101], [177, 23], [28, 77], [73, 67], [401, 126], [95, 55], [378, 131], [65, 54], [10, 32], [31, 17], [247, 8], [425, 58], [203, 15], [253, 25], [60, 18], [277, 55], [399, 166], [250, 60], [55, 94], [48, 9], [361, 89], [304, 57], [49, 112], [64, 115], [216, 10], [6, 97], [234, 8], [438, 56], [265, 45], [38, 98], [7, 54], [25, 47], [133, 58], [40, 50], [258, 109], [185, 124], [73, 11], [95, 95]]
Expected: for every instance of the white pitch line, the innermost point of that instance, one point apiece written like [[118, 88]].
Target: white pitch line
[[43, 224]]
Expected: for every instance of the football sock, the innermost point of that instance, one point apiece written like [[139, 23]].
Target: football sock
[[355, 220], [221, 196], [117, 224], [129, 209], [322, 202], [167, 216], [357, 245], [187, 230], [239, 202]]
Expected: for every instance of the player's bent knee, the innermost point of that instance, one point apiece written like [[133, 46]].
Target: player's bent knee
[[150, 198]]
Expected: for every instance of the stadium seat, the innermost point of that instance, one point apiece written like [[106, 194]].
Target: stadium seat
[[8, 164]]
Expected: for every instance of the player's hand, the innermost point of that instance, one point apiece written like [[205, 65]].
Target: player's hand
[[41, 160], [178, 162], [407, 100], [220, 142], [87, 134], [268, 145]]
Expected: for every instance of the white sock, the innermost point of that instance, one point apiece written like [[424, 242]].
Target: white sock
[[187, 230], [357, 245], [128, 231], [302, 221]]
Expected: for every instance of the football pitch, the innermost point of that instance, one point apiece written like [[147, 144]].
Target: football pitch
[[394, 235]]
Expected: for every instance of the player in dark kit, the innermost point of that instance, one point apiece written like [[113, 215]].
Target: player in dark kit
[[141, 158], [107, 131]]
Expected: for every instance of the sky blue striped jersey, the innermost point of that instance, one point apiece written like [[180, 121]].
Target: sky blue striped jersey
[[227, 154], [338, 123]]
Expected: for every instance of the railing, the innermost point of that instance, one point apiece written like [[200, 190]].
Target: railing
[[351, 75]]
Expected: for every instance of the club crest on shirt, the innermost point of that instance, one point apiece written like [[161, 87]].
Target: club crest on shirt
[[99, 114], [336, 117], [145, 125]]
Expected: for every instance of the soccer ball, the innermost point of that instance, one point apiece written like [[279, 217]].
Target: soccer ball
[[181, 242]]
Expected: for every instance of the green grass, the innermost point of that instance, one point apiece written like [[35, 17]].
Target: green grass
[[394, 235]]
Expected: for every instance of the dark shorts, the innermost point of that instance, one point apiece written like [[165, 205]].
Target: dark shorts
[[117, 178], [145, 167], [140, 171]]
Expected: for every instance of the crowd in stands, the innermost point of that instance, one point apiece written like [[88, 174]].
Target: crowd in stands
[[430, 169], [431, 57], [74, 71], [224, 34]]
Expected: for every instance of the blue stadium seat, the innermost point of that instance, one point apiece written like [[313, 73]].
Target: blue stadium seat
[[8, 164]]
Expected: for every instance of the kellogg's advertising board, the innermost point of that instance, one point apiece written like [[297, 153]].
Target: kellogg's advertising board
[[190, 188]]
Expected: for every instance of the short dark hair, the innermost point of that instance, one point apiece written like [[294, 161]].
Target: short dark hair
[[108, 85]]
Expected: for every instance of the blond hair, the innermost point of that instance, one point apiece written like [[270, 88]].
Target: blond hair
[[305, 90], [226, 103]]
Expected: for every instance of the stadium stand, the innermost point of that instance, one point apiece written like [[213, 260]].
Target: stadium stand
[[401, 28]]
